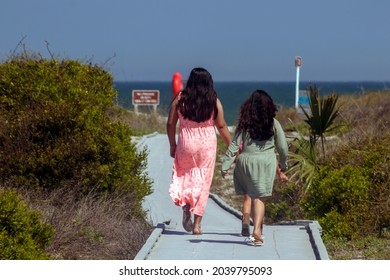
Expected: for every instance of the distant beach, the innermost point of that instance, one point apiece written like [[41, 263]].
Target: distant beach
[[232, 94]]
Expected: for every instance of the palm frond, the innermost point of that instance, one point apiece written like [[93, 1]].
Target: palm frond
[[323, 114], [302, 161]]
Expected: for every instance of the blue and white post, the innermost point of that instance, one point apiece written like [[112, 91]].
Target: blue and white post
[[298, 63]]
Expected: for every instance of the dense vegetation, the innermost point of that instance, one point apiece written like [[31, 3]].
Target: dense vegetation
[[63, 151]]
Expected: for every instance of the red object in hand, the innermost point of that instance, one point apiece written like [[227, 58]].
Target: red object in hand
[[177, 83]]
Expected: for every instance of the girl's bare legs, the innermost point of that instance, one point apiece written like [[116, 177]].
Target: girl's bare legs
[[258, 212], [246, 206], [246, 210], [197, 222], [187, 221]]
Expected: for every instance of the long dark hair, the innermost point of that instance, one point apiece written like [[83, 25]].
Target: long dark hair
[[198, 100], [257, 116]]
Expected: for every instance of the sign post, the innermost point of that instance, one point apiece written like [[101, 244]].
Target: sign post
[[298, 64], [145, 98]]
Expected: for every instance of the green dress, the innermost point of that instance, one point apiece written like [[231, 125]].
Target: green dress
[[255, 169]]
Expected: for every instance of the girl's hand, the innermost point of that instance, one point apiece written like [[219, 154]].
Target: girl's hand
[[224, 173], [283, 177]]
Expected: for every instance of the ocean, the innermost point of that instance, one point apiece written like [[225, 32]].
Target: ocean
[[233, 94]]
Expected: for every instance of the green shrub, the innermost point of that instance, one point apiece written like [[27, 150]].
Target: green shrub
[[349, 195], [339, 199], [56, 130], [282, 205], [277, 211], [377, 165], [23, 236]]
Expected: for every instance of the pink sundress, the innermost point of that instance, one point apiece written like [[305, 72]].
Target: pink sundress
[[194, 163]]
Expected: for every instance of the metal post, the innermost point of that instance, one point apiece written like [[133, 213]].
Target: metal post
[[298, 63], [297, 89]]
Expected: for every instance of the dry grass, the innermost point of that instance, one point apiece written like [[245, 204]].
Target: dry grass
[[92, 227], [367, 115], [141, 123], [367, 248]]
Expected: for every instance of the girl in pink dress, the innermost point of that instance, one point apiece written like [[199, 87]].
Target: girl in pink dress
[[199, 111]]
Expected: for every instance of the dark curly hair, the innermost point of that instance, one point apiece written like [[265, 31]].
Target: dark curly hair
[[198, 100], [257, 116]]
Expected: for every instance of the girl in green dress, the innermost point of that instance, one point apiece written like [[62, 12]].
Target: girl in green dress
[[255, 169]]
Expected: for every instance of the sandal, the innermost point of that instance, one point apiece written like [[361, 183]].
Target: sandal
[[197, 230], [255, 241], [187, 222]]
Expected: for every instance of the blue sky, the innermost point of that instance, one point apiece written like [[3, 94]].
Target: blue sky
[[248, 40]]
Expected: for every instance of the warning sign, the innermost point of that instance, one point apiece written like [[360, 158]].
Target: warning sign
[[146, 97]]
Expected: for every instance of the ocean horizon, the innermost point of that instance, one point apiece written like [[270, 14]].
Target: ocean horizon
[[233, 94]]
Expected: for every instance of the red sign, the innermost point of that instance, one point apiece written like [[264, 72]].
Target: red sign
[[146, 97]]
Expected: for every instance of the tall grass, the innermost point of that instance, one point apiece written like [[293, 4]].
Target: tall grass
[[141, 123], [92, 227]]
